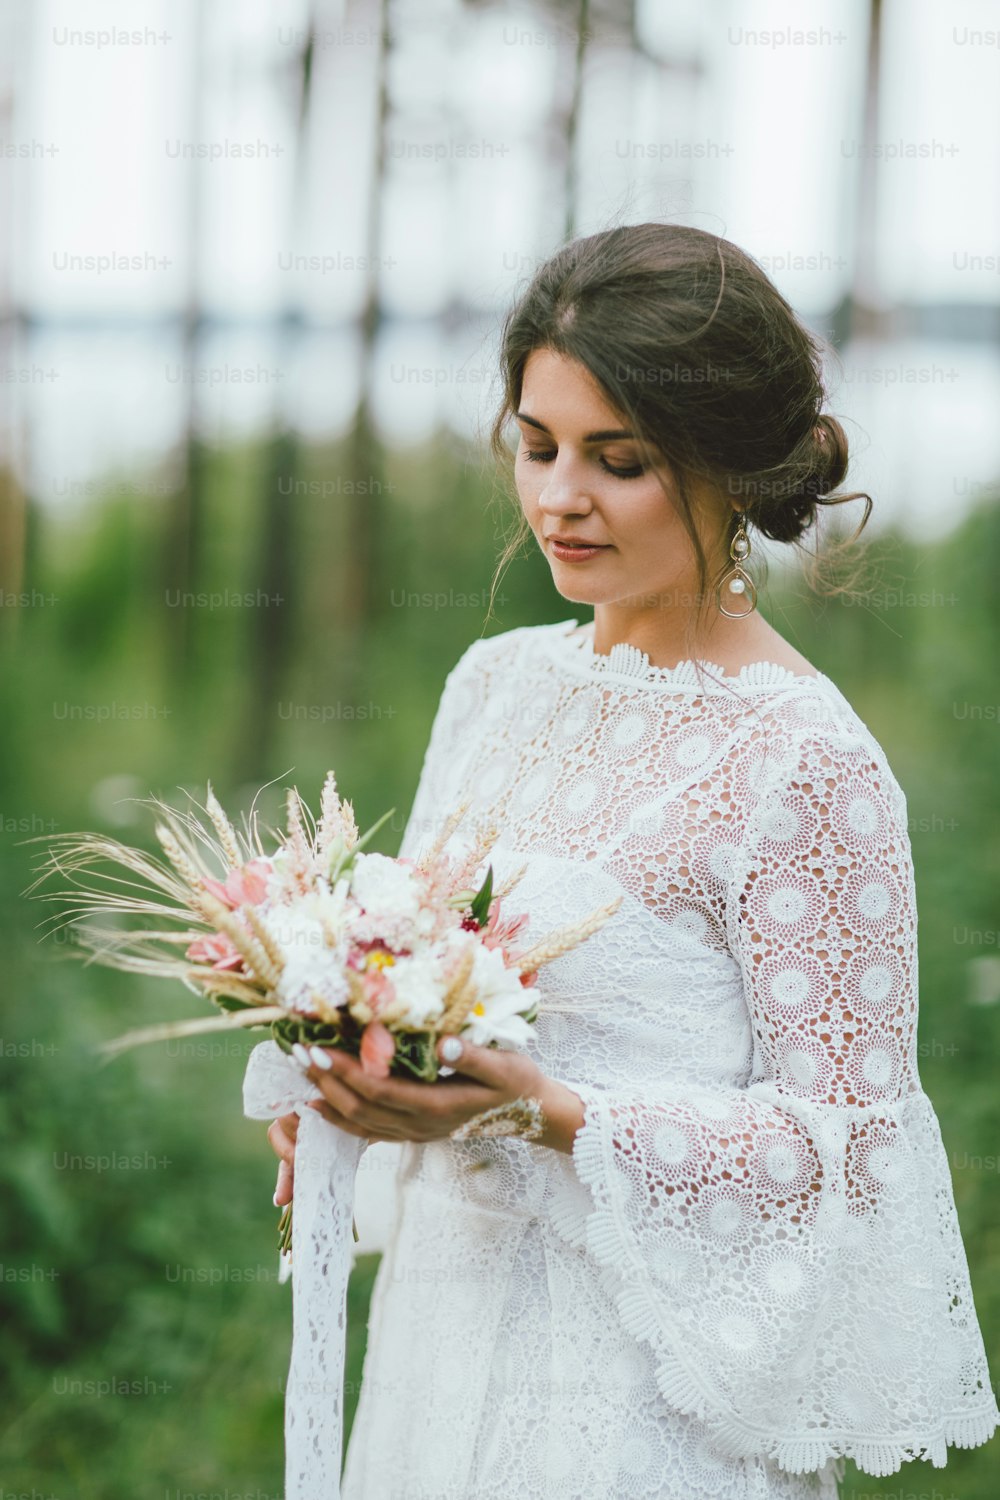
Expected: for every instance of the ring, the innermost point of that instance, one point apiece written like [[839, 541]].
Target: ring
[[522, 1117]]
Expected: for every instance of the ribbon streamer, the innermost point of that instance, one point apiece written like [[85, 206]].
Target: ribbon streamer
[[326, 1164]]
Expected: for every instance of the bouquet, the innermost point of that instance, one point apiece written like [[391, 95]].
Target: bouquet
[[314, 939]]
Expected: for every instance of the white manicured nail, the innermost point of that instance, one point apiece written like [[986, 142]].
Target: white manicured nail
[[451, 1049], [320, 1058], [301, 1055]]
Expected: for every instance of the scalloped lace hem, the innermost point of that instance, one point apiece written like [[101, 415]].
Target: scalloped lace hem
[[597, 1232]]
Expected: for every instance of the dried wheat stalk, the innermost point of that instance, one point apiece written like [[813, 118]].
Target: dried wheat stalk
[[227, 834], [460, 996], [564, 939]]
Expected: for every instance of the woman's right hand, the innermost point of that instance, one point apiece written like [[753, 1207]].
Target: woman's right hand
[[281, 1133]]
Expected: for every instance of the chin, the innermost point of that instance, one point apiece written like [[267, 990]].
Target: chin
[[586, 600]]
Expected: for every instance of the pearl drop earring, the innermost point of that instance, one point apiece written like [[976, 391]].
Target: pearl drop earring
[[738, 581]]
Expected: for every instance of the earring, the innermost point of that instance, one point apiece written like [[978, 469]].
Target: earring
[[738, 581]]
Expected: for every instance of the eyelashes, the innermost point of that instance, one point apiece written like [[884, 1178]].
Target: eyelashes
[[538, 456]]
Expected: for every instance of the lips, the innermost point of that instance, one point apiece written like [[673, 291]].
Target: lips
[[573, 542]]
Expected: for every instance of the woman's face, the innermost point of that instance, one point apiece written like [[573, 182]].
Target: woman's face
[[581, 476]]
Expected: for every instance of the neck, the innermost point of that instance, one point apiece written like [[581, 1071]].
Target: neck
[[666, 636]]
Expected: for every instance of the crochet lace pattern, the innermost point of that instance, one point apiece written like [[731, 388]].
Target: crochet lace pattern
[[751, 1266]]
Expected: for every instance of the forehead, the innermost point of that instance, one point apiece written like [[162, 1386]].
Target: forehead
[[556, 388]]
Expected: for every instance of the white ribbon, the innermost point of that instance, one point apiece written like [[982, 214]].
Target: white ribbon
[[326, 1164]]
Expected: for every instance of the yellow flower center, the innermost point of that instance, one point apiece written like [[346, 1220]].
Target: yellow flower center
[[379, 959], [479, 1009]]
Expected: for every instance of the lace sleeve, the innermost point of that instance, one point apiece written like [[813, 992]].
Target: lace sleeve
[[790, 1250], [433, 802]]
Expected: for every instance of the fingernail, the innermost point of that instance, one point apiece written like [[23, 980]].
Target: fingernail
[[451, 1049], [275, 1201], [321, 1058], [301, 1055]]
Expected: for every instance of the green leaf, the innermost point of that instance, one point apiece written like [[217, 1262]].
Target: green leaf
[[480, 904], [228, 1002], [362, 841], [417, 1056], [294, 1028], [344, 858]]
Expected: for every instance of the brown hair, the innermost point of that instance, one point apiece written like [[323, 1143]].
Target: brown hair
[[695, 348]]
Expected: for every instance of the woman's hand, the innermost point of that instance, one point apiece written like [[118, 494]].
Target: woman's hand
[[281, 1133], [398, 1109]]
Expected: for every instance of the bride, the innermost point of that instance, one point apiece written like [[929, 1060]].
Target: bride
[[717, 1251]]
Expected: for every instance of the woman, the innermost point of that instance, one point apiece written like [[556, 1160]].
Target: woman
[[721, 1253]]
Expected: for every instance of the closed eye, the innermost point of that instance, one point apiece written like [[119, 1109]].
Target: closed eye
[[540, 456]]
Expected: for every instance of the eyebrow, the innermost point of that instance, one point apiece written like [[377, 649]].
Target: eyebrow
[[607, 436]]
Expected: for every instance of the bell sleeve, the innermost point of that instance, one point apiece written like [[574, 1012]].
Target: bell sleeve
[[789, 1249]]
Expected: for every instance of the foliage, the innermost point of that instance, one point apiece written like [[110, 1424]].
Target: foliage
[[159, 1267]]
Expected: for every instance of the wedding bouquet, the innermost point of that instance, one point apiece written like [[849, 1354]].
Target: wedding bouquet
[[315, 939], [323, 943]]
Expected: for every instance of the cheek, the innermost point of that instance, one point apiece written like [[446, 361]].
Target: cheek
[[529, 480], [649, 528], [642, 510]]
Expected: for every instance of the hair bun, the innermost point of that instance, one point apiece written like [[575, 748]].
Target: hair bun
[[817, 467], [830, 445]]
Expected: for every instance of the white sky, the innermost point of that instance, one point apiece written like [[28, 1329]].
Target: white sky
[[787, 118], [775, 120]]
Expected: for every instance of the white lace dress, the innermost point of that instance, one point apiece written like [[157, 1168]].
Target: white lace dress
[[751, 1265]]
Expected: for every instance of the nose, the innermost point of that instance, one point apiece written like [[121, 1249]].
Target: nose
[[565, 492]]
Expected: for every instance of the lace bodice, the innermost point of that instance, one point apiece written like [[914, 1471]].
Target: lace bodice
[[757, 1219], [753, 818]]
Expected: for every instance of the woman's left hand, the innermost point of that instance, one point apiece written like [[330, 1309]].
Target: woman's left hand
[[398, 1109]]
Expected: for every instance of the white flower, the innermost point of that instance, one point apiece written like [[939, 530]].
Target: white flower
[[418, 981], [295, 928], [387, 904], [333, 908], [426, 923], [312, 967], [304, 978], [384, 887], [500, 996]]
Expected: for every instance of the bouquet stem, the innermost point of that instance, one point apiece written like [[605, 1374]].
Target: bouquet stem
[[285, 1230]]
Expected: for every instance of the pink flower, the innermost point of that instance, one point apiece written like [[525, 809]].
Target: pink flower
[[246, 886], [217, 949], [499, 931], [378, 1048], [379, 989]]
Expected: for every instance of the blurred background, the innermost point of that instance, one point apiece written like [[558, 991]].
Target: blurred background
[[253, 258]]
